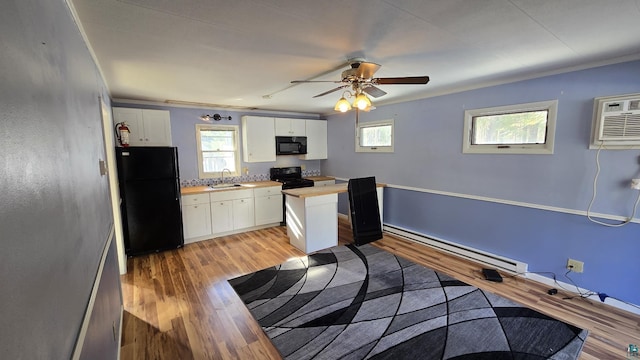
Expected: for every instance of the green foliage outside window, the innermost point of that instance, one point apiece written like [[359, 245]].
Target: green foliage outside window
[[514, 128], [218, 150], [376, 136]]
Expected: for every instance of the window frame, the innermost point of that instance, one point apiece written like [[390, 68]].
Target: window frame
[[233, 128], [380, 149], [544, 149]]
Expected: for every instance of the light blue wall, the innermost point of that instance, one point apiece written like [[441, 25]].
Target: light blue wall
[[183, 135], [428, 156]]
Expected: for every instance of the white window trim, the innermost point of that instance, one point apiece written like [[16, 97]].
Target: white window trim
[[547, 148], [235, 129], [383, 149]]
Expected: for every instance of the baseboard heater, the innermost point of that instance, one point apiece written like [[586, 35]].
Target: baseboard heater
[[484, 258]]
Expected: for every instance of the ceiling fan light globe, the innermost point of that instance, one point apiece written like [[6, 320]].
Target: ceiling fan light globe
[[342, 105], [362, 101]]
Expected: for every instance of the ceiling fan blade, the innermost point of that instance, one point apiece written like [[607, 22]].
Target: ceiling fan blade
[[314, 81], [374, 91], [409, 80], [332, 90], [365, 70]]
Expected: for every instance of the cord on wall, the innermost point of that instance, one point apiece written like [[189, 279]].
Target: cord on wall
[[593, 198]]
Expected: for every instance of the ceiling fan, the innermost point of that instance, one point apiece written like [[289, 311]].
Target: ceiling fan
[[360, 78]]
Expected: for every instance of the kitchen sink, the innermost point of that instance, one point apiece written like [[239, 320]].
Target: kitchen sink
[[223, 186]]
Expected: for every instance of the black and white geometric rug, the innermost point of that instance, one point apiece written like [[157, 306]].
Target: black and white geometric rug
[[352, 302]]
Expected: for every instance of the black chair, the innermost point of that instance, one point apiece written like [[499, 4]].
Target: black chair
[[365, 214]]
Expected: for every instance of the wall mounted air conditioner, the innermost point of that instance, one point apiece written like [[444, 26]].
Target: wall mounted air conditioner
[[616, 122]]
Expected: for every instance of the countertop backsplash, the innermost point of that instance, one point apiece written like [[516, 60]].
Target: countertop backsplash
[[238, 179]]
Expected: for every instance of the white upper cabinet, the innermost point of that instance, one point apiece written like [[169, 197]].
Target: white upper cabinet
[[290, 127], [258, 139], [316, 131], [148, 127]]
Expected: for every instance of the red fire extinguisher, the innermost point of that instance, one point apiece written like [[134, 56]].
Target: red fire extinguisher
[[122, 133]]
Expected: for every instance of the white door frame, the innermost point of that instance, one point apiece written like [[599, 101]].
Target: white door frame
[[109, 149]]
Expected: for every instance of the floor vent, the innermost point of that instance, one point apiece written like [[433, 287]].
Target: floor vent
[[484, 258]]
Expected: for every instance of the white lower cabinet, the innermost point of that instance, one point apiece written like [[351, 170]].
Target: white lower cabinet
[[231, 210], [221, 216], [268, 205], [196, 217], [206, 216], [243, 213]]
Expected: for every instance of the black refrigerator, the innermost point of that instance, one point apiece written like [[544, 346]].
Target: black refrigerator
[[150, 199]]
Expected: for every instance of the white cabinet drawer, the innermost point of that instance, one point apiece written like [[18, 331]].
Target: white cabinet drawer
[[324, 182], [267, 191], [195, 199], [231, 195]]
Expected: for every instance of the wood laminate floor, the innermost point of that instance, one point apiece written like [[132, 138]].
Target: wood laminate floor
[[178, 304]]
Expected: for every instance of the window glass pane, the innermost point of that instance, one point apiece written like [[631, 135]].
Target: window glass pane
[[376, 136], [516, 128], [219, 140], [215, 161], [217, 150]]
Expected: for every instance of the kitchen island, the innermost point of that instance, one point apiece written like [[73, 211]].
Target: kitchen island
[[312, 216]]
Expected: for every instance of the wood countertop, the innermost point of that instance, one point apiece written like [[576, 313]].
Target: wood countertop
[[192, 190], [319, 191], [320, 178]]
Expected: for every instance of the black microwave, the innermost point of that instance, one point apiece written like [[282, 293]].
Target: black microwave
[[291, 145]]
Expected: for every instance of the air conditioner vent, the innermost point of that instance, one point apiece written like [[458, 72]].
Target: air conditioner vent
[[616, 122], [618, 127]]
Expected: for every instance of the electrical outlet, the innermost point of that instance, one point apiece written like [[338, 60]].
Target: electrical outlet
[[575, 265], [303, 167]]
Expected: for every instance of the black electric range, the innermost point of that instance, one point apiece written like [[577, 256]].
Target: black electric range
[[290, 178]]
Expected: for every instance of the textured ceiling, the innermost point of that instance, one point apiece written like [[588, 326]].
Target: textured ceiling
[[233, 53]]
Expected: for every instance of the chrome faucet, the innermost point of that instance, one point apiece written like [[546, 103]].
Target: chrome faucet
[[222, 174]]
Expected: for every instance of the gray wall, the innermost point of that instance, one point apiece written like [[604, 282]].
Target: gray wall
[[54, 214], [101, 341]]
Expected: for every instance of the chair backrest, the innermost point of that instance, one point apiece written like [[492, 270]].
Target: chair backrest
[[365, 214]]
